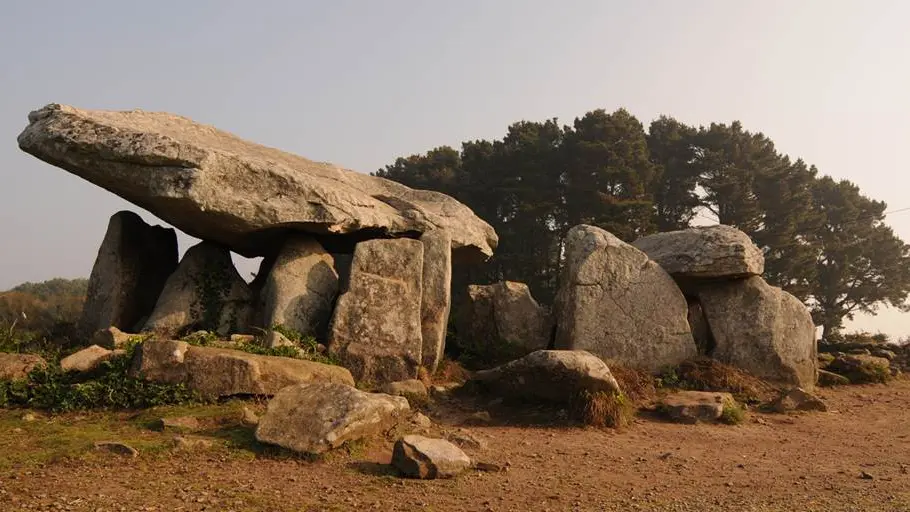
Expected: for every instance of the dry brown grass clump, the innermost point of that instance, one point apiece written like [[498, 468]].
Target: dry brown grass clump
[[451, 371], [637, 385], [705, 374], [601, 409]]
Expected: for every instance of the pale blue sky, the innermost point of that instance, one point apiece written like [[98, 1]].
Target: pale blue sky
[[359, 83]]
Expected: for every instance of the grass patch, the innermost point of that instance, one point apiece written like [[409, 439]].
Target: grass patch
[[733, 414], [601, 409], [703, 374], [638, 386]]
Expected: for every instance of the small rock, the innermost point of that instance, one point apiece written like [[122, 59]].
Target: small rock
[[489, 467], [695, 406], [242, 338], [112, 338], [274, 339], [427, 458], [249, 418], [466, 439], [409, 389], [479, 418], [422, 421], [179, 424], [191, 443], [827, 379], [29, 417], [798, 399], [865, 476], [118, 448], [86, 359]]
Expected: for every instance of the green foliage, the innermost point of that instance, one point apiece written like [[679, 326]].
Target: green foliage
[[110, 387], [733, 414], [200, 338], [306, 347]]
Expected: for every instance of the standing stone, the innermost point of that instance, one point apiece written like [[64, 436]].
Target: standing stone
[[205, 292], [376, 327], [437, 295], [133, 263], [619, 305], [300, 288], [704, 252], [763, 330], [500, 322]]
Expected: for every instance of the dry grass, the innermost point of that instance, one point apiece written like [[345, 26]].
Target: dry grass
[[704, 374], [451, 371], [602, 409], [637, 385]]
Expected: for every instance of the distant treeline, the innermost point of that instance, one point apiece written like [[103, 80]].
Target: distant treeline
[[824, 241], [47, 308]]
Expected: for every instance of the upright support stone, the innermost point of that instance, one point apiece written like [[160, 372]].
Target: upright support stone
[[616, 303], [205, 292], [133, 263], [376, 327], [437, 295], [300, 288]]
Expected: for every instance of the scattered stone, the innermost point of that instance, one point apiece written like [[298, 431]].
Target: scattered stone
[[884, 353], [557, 376], [18, 366], [86, 359], [205, 292], [695, 406], [219, 372], [426, 458], [704, 252], [422, 421], [118, 448], [861, 369], [132, 265], [502, 321], [215, 186], [827, 379], [242, 338], [316, 417], [798, 399], [274, 339], [376, 327], [859, 351], [437, 297], [178, 424], [617, 304], [300, 288], [410, 389], [479, 418], [824, 359], [249, 418], [489, 467], [192, 443], [29, 417], [112, 338], [466, 439], [866, 476], [761, 329]]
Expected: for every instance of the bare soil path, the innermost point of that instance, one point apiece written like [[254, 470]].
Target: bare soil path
[[801, 462]]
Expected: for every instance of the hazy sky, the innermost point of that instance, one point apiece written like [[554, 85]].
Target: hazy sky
[[359, 83]]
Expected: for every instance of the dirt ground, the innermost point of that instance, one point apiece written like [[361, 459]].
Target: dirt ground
[[854, 457]]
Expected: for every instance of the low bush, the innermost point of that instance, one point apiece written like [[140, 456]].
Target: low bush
[[733, 414], [601, 409]]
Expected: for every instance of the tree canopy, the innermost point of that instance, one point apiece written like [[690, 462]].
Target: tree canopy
[[823, 240]]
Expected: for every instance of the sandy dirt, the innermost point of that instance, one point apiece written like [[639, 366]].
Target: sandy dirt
[[854, 457]]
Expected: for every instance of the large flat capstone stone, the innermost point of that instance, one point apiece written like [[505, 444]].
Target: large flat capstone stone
[[218, 187]]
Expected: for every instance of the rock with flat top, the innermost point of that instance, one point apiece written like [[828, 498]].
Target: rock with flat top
[[427, 458], [798, 399], [86, 359], [704, 252], [317, 417], [216, 186], [619, 305], [112, 338], [220, 372], [695, 406]]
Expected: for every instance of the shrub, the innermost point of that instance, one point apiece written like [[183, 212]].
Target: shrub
[[733, 414], [109, 387], [601, 409]]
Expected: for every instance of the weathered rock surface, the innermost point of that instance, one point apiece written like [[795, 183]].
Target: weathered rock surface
[[132, 265], [761, 329], [316, 417], [376, 327], [179, 424], [550, 375], [824, 359], [117, 448], [860, 369], [300, 288], [828, 379], [437, 295], [798, 399], [704, 252], [216, 186], [423, 457], [111, 338], [205, 292], [219, 372], [18, 366], [86, 359], [411, 388], [617, 304], [695, 406], [502, 318]]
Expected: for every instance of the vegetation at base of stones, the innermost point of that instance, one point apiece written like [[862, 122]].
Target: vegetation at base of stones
[[733, 414], [307, 347], [823, 240], [109, 387], [703, 374], [602, 409]]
